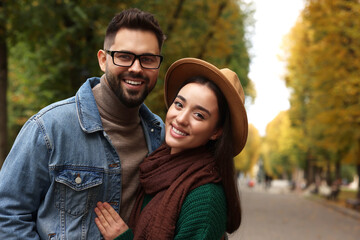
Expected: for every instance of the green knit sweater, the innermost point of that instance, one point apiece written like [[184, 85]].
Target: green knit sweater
[[202, 215]]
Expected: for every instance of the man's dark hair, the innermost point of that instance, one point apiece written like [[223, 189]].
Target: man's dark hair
[[133, 18]]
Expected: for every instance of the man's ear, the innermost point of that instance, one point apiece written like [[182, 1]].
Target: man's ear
[[101, 55], [216, 134]]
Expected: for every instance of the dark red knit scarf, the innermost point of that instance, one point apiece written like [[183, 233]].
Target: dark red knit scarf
[[170, 178]]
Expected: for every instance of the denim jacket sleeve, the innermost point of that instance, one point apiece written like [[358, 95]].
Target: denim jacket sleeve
[[24, 179]]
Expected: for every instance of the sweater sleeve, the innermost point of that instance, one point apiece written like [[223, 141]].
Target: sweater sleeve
[[127, 235], [203, 214]]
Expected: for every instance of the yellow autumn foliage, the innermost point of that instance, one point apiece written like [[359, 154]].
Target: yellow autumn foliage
[[323, 73], [248, 158]]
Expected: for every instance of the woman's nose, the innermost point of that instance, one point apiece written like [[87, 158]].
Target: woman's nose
[[182, 117]]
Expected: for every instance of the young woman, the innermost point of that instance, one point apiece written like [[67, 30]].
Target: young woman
[[188, 185]]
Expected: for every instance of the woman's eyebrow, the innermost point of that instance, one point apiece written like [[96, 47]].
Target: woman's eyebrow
[[181, 98], [197, 106], [203, 109]]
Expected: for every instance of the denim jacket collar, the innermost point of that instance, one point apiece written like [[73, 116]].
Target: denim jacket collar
[[88, 113]]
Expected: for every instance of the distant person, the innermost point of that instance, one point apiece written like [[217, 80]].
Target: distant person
[[334, 190], [268, 180], [86, 149], [188, 185]]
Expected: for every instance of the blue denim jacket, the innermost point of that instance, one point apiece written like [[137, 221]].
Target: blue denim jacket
[[61, 164]]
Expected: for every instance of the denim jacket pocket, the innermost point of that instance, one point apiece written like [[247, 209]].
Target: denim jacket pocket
[[76, 190]]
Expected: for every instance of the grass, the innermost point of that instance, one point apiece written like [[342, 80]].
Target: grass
[[343, 195], [347, 193]]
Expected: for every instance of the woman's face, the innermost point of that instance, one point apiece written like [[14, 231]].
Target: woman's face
[[192, 118]]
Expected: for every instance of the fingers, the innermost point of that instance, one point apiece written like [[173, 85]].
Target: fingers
[[101, 221], [104, 213], [110, 213], [100, 226], [108, 221]]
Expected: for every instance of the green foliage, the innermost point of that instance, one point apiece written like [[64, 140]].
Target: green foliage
[[348, 172], [212, 30], [53, 45]]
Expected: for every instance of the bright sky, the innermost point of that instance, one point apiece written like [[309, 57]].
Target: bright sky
[[274, 19]]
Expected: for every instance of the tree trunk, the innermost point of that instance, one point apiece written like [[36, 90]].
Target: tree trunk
[[338, 169], [358, 173], [3, 87], [309, 169], [210, 34], [358, 170], [328, 171], [174, 19]]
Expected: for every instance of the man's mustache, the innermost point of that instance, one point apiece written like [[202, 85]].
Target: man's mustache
[[132, 75]]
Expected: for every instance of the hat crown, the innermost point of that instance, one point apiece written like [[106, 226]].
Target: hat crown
[[235, 82]]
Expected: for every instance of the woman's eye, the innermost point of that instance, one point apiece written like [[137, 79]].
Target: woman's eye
[[178, 104], [199, 115]]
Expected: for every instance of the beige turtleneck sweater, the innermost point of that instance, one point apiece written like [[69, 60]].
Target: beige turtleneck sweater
[[124, 128]]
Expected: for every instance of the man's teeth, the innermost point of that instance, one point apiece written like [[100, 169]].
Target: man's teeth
[[178, 132], [133, 82]]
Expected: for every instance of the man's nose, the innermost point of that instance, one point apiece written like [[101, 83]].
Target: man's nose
[[136, 67]]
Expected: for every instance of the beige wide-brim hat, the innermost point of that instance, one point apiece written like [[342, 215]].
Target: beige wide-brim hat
[[225, 79]]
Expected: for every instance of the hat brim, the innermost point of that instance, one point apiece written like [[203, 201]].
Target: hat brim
[[186, 68]]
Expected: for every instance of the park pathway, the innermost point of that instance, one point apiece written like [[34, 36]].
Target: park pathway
[[277, 214]]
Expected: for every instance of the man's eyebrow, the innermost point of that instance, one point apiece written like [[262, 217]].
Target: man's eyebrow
[[145, 53], [197, 106]]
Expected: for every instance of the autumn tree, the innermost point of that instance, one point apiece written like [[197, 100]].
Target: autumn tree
[[280, 149], [298, 78], [54, 44], [249, 157], [323, 72], [212, 30]]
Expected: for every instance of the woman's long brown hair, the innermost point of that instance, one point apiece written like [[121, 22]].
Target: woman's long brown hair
[[222, 148]]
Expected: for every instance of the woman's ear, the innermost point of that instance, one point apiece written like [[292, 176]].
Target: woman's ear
[[216, 134]]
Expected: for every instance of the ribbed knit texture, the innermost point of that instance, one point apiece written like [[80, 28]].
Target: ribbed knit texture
[[124, 129], [202, 216]]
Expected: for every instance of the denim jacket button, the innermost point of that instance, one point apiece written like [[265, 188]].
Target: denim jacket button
[[78, 180]]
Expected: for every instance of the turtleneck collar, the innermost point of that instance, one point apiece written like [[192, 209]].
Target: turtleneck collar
[[110, 106]]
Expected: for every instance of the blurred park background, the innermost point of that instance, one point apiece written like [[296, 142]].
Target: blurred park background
[[48, 49]]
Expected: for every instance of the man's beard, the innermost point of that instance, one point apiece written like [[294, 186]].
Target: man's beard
[[130, 98]]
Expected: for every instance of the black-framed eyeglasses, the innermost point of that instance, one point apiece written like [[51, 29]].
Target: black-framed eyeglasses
[[127, 59]]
